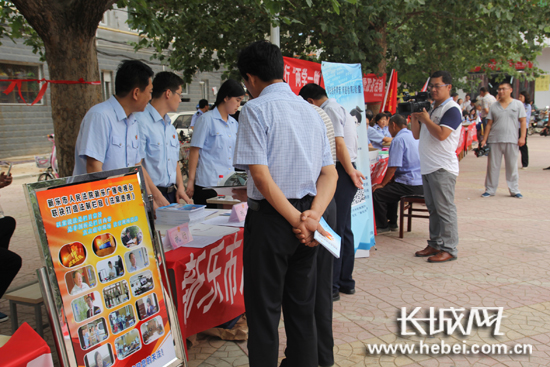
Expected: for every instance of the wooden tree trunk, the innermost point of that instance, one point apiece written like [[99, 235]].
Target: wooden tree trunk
[[67, 28], [77, 58], [376, 107]]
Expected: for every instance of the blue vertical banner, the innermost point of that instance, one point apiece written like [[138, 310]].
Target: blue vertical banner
[[344, 82]]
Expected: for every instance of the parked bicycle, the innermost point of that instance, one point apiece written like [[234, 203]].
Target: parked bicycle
[[49, 163]]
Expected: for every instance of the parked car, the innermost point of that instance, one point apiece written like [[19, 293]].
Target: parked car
[[181, 121]]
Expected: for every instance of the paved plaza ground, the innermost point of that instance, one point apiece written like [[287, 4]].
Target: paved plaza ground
[[503, 261]]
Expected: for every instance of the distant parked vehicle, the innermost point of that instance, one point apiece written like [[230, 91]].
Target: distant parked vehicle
[[181, 121]]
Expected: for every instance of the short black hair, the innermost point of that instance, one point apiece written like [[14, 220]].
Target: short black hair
[[313, 91], [445, 75], [483, 89], [166, 80], [380, 116], [453, 94], [369, 115], [131, 74], [468, 95], [262, 59], [399, 120], [230, 88], [526, 95], [203, 103], [506, 83]]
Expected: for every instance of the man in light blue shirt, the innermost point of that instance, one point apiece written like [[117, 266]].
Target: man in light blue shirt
[[159, 139], [349, 181], [402, 177], [203, 107], [109, 134], [283, 145]]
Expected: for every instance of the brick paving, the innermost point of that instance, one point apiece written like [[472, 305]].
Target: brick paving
[[504, 261]]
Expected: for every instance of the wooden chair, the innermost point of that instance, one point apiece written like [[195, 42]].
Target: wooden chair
[[406, 204]]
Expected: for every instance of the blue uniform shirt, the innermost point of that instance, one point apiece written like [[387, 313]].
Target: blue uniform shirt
[[375, 136], [195, 118], [404, 155], [216, 138], [109, 136], [283, 132], [386, 130], [160, 146]]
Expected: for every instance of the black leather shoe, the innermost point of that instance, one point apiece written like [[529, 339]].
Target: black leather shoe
[[347, 291], [335, 297]]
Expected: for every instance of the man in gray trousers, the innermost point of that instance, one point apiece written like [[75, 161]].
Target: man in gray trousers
[[439, 132], [504, 140]]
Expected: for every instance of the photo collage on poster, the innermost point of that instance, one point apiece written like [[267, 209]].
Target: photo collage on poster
[[113, 295]]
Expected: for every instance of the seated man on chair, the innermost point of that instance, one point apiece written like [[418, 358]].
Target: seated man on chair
[[402, 178]]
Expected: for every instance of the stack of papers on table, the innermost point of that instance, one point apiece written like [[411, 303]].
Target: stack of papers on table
[[176, 214]]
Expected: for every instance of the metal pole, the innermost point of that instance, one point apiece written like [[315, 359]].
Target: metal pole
[[275, 37], [52, 314]]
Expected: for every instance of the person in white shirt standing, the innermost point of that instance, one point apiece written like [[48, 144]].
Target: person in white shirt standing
[[439, 133], [486, 99], [504, 139]]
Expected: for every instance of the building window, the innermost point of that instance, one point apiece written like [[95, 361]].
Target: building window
[[29, 90], [185, 89], [204, 89], [107, 84]]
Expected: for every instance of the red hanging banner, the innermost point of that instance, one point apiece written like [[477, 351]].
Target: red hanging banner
[[18, 82], [390, 104], [301, 72], [373, 87]]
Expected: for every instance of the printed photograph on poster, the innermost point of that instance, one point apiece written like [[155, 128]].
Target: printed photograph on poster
[[87, 306], [127, 344], [136, 259], [131, 236], [110, 269], [116, 294], [147, 306], [80, 280], [122, 319], [152, 330], [104, 245], [142, 283], [72, 254], [101, 357], [92, 333]]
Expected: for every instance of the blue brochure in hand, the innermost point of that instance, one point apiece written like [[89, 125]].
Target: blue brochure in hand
[[332, 242]]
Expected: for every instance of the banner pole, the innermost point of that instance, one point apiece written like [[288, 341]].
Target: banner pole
[[55, 326], [387, 90]]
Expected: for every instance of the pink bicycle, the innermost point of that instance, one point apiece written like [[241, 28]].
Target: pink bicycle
[[49, 163]]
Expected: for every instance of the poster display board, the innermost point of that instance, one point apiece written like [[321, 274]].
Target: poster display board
[[344, 82], [100, 252]]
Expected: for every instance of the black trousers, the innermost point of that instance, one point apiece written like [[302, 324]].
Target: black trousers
[[343, 267], [323, 298], [524, 152], [279, 271], [201, 194], [171, 197], [10, 262], [386, 201]]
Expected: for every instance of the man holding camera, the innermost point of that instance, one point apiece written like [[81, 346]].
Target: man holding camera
[[439, 133], [504, 138]]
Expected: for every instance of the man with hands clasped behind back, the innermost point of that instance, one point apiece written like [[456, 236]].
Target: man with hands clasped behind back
[[439, 133], [282, 143]]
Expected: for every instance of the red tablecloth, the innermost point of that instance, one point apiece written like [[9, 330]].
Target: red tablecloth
[[25, 349], [208, 283]]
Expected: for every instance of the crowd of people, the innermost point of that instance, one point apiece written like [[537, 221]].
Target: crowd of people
[[299, 153]]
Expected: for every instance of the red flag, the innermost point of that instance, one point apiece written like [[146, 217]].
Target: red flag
[[390, 102], [425, 87], [373, 87]]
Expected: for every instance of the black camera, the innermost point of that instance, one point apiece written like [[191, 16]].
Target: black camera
[[414, 103], [481, 151]]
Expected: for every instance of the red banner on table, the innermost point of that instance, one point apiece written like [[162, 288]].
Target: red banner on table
[[301, 72], [209, 283], [374, 87], [378, 171], [460, 146]]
